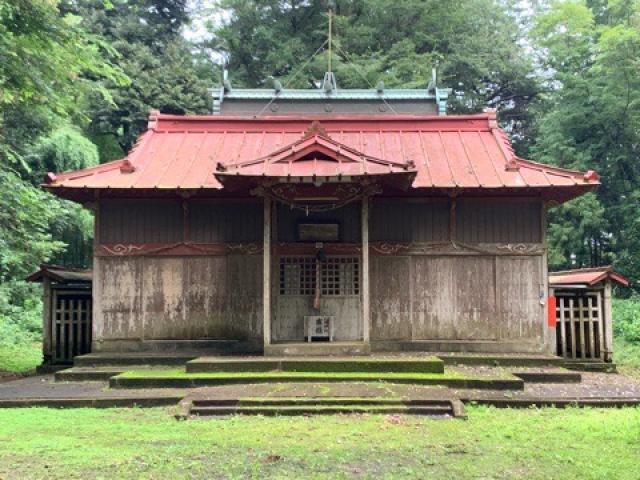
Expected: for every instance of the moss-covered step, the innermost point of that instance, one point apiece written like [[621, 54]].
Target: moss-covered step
[[88, 374], [181, 379], [323, 410], [321, 406], [500, 360], [108, 359], [322, 364]]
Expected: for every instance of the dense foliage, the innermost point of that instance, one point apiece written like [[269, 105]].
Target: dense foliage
[[78, 77], [589, 118]]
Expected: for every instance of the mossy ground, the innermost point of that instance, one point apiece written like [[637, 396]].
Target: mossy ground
[[149, 444]]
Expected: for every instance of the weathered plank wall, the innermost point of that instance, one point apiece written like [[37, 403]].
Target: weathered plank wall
[[154, 298], [458, 295], [423, 297], [498, 221], [287, 322], [409, 222], [211, 222], [476, 220], [161, 221], [140, 221]]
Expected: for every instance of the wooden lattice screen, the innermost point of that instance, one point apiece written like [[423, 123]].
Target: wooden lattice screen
[[340, 276], [71, 325], [580, 331]]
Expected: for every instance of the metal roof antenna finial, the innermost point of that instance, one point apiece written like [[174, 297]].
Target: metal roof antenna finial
[[226, 83], [329, 84], [433, 84]]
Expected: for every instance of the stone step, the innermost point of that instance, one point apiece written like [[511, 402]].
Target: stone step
[[316, 349], [327, 401], [501, 360], [179, 379], [590, 366], [435, 411], [319, 364], [549, 377], [87, 374], [133, 359]]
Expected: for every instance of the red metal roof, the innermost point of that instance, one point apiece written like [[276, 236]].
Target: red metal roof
[[449, 152], [586, 276]]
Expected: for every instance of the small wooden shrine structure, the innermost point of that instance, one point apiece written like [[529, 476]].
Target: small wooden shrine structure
[[580, 308], [66, 313]]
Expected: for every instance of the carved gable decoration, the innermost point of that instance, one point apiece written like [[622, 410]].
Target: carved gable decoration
[[316, 155]]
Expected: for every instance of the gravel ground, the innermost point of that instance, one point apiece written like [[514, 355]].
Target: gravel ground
[[43, 386]]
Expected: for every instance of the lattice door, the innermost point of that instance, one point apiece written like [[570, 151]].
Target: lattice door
[[71, 325]]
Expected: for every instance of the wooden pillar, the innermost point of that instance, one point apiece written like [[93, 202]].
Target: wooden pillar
[[549, 333], [47, 321], [266, 275], [96, 287], [608, 322], [452, 219], [366, 312]]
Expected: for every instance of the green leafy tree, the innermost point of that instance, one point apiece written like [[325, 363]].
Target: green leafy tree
[[167, 74], [474, 43], [588, 119], [48, 66]]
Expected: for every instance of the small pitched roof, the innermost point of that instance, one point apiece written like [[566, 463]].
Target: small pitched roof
[[586, 276], [61, 274], [468, 153], [315, 156]]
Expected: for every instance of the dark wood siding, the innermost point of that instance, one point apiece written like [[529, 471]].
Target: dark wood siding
[[409, 222], [486, 221], [348, 217], [211, 222], [140, 221]]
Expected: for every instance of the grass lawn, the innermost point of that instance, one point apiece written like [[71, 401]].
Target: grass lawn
[[492, 444], [20, 358]]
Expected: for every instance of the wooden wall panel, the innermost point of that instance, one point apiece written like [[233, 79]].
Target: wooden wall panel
[[473, 298], [119, 314], [211, 222], [391, 298], [487, 221], [180, 298], [140, 221], [520, 282], [454, 298], [409, 222], [348, 217]]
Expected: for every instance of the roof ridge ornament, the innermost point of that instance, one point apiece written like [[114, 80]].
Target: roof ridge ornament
[[154, 114], [127, 166], [316, 128]]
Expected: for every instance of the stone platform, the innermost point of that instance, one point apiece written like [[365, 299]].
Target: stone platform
[[400, 383]]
